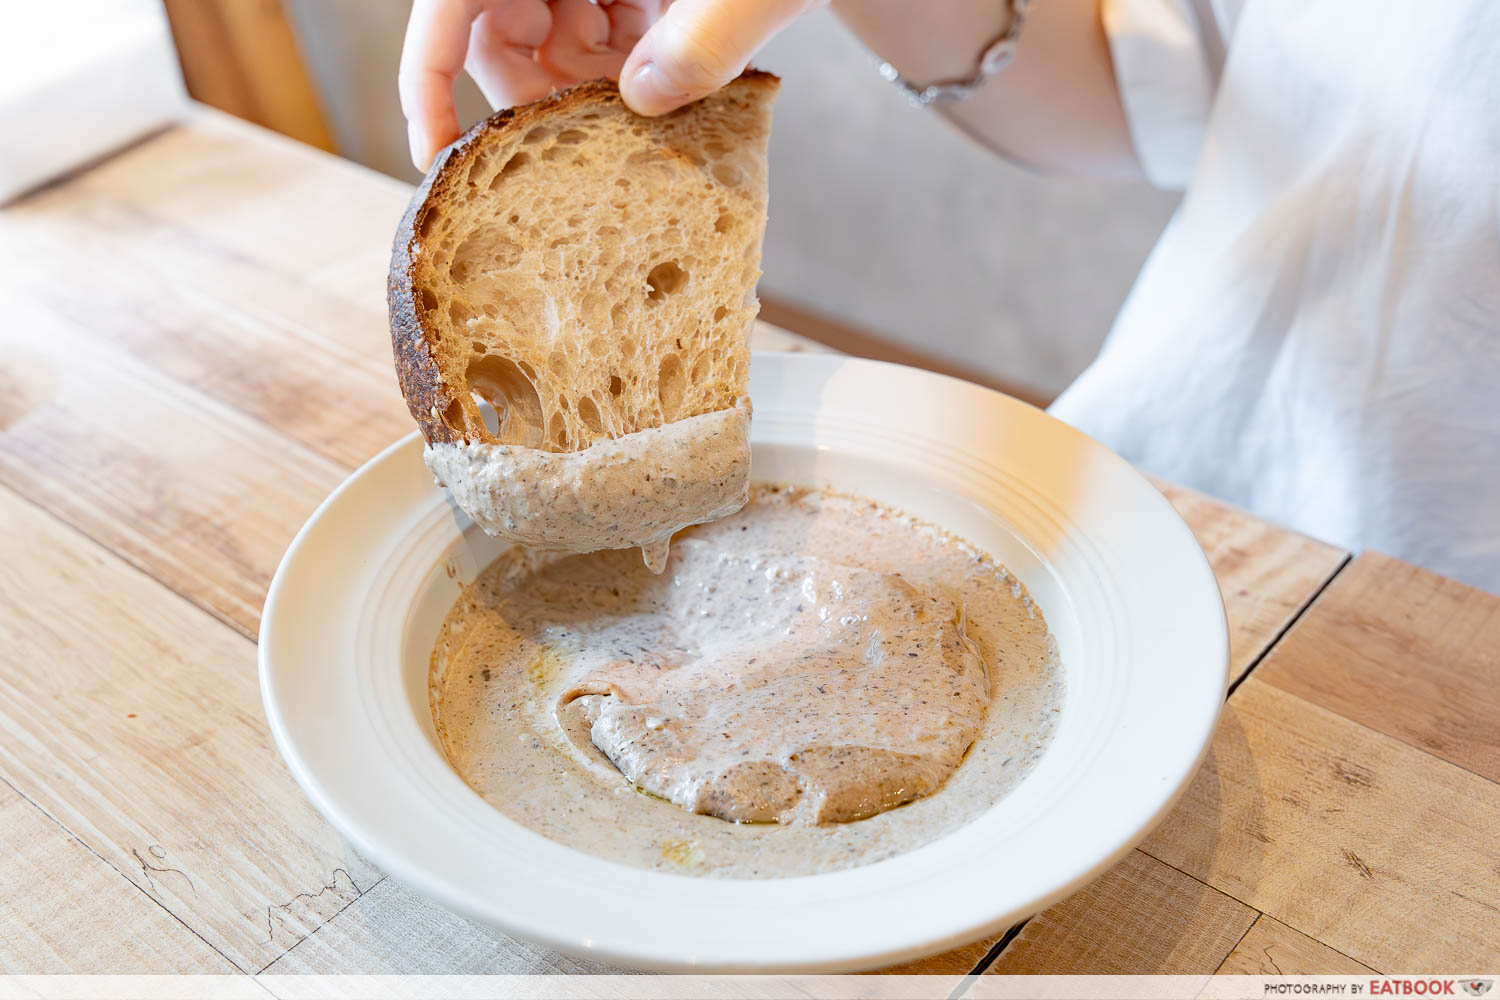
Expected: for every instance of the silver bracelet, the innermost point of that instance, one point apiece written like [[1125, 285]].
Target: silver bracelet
[[995, 57]]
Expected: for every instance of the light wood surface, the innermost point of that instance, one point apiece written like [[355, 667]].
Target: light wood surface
[[1271, 948], [1404, 652], [393, 931], [134, 719], [1373, 850], [1142, 916], [1266, 573], [63, 909], [197, 494], [1366, 844], [195, 354]]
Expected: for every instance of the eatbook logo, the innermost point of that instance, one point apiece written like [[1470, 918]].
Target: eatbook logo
[[1477, 987]]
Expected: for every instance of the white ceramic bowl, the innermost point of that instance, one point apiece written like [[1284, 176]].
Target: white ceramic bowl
[[354, 609]]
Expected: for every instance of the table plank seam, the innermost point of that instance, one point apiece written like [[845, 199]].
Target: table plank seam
[[1142, 848], [133, 886], [965, 984], [124, 557], [993, 955], [1258, 915], [1286, 628], [1321, 943], [1372, 732], [193, 400], [1398, 737], [333, 916], [1011, 935], [196, 398]]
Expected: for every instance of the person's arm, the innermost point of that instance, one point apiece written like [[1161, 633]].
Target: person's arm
[[1055, 107]]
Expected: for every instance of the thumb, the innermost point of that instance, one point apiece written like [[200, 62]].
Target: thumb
[[697, 47]]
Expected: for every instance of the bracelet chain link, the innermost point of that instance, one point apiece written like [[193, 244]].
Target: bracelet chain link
[[995, 56]]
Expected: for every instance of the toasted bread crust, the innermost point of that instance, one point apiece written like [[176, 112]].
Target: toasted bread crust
[[416, 370]]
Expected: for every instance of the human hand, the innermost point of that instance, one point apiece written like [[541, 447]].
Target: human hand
[[664, 53]]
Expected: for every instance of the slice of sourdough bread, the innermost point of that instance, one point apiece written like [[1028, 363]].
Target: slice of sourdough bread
[[568, 277]]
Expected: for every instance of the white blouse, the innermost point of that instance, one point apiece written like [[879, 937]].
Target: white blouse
[[1317, 335]]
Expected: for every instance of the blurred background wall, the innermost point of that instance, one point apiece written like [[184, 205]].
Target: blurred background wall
[[890, 235]]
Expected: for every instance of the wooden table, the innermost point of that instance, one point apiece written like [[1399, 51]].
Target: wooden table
[[195, 354]]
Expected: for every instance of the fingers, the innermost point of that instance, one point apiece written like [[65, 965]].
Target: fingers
[[697, 47], [628, 21], [494, 39], [502, 48], [431, 57], [520, 50], [579, 46]]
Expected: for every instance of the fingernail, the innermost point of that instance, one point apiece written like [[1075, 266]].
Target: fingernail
[[650, 93], [421, 149]]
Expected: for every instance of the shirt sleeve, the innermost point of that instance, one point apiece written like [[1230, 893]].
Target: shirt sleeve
[[1167, 56]]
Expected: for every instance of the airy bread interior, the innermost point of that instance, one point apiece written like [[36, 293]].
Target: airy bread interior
[[587, 273]]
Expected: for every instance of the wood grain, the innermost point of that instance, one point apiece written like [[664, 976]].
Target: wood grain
[[1140, 918], [1349, 836], [244, 193], [1274, 949], [1406, 652], [391, 930], [1267, 574], [193, 492], [65, 910], [295, 358], [134, 718]]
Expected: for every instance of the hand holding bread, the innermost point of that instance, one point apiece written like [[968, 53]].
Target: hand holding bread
[[663, 54], [571, 295]]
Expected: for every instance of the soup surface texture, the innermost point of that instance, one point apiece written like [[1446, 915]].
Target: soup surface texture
[[814, 683]]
